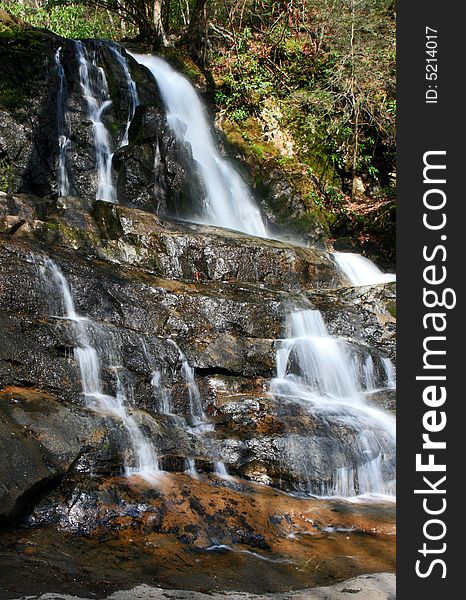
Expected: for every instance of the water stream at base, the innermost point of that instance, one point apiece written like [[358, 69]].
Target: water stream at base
[[144, 454], [64, 142], [317, 371], [228, 201], [360, 270]]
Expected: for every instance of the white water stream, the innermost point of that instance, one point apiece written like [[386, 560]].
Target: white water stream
[[95, 92], [144, 456], [133, 96], [64, 142], [197, 422], [317, 370], [228, 201], [360, 270]]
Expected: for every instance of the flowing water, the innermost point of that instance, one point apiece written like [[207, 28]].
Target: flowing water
[[95, 91], [164, 403], [64, 142], [316, 370], [133, 97], [196, 421], [321, 372], [144, 457], [360, 270], [369, 375], [228, 201], [389, 373]]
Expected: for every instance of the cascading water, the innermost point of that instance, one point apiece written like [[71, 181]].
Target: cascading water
[[313, 368], [197, 422], [144, 455], [133, 97], [316, 370], [368, 371], [228, 200], [63, 183], [161, 393], [360, 270], [95, 91], [196, 416], [389, 373]]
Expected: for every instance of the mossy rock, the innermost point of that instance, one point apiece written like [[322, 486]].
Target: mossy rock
[[22, 65]]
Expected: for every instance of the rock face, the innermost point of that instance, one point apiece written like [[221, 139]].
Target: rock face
[[127, 335], [30, 131], [220, 296]]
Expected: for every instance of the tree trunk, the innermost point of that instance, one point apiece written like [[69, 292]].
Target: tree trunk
[[197, 29], [160, 35], [166, 15]]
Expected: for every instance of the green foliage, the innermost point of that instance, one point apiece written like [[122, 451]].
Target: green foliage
[[330, 67], [70, 20], [6, 176]]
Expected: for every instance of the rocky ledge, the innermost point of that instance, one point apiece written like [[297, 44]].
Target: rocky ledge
[[155, 288]]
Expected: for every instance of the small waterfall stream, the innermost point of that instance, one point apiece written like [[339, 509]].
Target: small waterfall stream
[[228, 200], [133, 96], [144, 454], [389, 373], [316, 370], [197, 422], [63, 183], [360, 270], [95, 92]]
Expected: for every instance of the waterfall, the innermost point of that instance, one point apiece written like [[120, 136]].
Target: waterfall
[[95, 91], [197, 422], [92, 388], [369, 374], [133, 97], [317, 370], [360, 270], [161, 393], [228, 201], [63, 184], [196, 415], [389, 373]]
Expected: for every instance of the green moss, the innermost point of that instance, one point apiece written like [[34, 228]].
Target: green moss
[[391, 307], [22, 64], [11, 98], [183, 63]]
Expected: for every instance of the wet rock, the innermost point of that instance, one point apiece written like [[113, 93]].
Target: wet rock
[[226, 330], [370, 315], [29, 130], [288, 209], [385, 399], [201, 253], [40, 440], [155, 172], [198, 534]]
